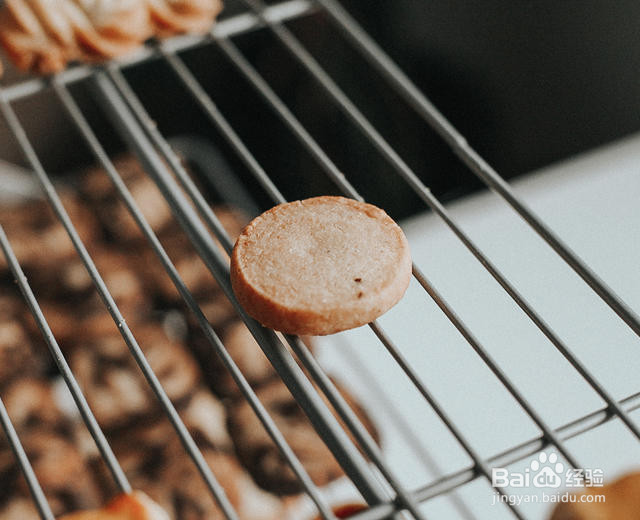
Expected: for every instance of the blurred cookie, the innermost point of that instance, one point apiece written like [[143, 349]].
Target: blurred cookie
[[245, 352], [37, 237], [113, 384], [44, 37], [62, 472], [260, 455], [156, 462], [112, 213], [205, 417], [621, 500], [218, 310], [46, 434], [31, 406], [193, 271], [73, 325], [177, 16], [18, 508], [70, 283], [194, 502], [135, 505], [20, 353], [31, 403]]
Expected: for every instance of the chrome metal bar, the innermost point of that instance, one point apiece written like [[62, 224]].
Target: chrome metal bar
[[353, 423], [344, 411], [93, 143], [427, 110], [287, 38], [479, 465], [272, 99], [334, 397], [232, 26], [187, 83], [217, 118], [240, 23], [83, 407], [159, 141], [455, 480], [206, 213], [44, 510], [453, 317], [210, 108], [261, 86], [384, 402], [60, 212], [330, 431]]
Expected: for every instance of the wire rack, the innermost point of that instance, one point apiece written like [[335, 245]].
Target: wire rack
[[364, 464]]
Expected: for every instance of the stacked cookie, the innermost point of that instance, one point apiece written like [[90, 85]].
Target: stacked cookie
[[241, 455], [45, 35]]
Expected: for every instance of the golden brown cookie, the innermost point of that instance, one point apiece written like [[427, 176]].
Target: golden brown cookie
[[621, 500], [320, 266], [134, 506], [44, 36], [176, 16]]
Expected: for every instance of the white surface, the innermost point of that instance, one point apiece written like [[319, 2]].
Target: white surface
[[593, 203]]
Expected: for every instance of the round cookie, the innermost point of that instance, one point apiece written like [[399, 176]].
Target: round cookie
[[320, 266]]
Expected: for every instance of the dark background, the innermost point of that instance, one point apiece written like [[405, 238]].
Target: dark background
[[528, 83]]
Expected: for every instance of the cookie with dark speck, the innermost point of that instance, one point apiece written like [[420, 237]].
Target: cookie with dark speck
[[320, 266]]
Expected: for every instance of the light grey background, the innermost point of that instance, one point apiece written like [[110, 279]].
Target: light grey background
[[593, 203]]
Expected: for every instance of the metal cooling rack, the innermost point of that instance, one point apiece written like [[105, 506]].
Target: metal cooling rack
[[376, 482]]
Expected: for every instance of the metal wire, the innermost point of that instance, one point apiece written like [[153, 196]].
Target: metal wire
[[27, 470], [299, 348], [325, 384], [190, 81], [205, 211], [44, 510], [427, 110], [522, 451], [120, 103], [94, 144], [287, 38], [231, 26], [383, 401], [326, 424], [338, 177], [60, 212], [159, 141], [85, 411]]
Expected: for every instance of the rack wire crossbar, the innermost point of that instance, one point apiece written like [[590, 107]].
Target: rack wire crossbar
[[129, 117]]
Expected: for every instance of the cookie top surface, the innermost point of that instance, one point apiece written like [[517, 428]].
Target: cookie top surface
[[320, 265]]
